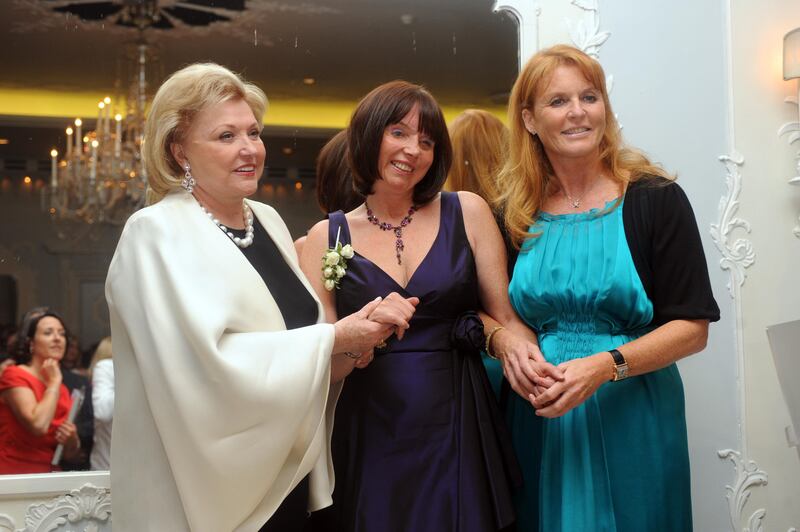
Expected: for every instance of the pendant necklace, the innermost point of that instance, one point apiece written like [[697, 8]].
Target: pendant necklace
[[397, 229], [576, 202]]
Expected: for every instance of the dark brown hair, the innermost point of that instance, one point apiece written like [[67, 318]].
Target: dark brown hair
[[386, 105], [334, 178], [27, 332]]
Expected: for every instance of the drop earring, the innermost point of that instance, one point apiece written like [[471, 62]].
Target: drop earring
[[188, 181]]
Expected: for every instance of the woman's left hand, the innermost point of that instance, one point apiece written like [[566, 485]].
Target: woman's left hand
[[582, 377], [67, 435]]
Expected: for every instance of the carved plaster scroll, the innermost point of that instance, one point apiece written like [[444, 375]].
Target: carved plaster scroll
[[748, 475], [737, 255], [88, 506], [6, 523], [586, 34], [526, 12], [792, 131]]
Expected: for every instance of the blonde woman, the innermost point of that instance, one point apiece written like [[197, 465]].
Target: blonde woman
[[221, 351], [480, 142]]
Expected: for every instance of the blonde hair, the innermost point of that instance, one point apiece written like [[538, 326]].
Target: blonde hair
[[480, 142], [527, 173], [102, 352], [184, 94]]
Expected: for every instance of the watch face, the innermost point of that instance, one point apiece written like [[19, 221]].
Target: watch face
[[622, 371]]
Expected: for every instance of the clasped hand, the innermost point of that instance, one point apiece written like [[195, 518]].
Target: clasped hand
[[524, 366], [582, 377], [371, 326]]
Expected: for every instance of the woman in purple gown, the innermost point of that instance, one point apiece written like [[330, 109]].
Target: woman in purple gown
[[418, 443]]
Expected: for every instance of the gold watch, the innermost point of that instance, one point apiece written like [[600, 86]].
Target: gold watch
[[620, 365]]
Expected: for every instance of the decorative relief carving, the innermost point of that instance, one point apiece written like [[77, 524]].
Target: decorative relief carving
[[792, 130], [586, 34], [6, 523], [739, 254], [748, 475], [87, 509]]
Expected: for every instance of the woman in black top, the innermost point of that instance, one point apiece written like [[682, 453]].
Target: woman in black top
[[611, 274]]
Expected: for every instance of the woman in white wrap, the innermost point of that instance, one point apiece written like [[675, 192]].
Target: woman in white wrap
[[223, 358]]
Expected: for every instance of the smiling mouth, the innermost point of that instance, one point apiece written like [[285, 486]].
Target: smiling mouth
[[403, 167], [575, 131], [246, 169]]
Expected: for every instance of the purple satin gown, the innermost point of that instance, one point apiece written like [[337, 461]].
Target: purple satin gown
[[418, 442]]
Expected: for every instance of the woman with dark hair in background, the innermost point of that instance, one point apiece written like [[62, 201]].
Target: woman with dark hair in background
[[34, 402], [335, 190], [334, 181], [418, 442]]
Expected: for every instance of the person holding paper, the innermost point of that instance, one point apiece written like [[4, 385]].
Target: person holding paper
[[34, 402], [222, 356]]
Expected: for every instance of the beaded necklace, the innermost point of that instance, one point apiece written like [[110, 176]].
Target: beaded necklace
[[397, 229]]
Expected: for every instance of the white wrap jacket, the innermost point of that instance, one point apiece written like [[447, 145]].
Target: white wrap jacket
[[219, 410]]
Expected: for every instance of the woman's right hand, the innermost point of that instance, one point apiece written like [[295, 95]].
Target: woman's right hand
[[358, 333], [524, 367], [51, 373]]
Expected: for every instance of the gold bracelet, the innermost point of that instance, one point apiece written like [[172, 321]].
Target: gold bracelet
[[489, 341]]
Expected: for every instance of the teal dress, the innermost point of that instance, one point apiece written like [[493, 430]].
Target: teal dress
[[619, 461]]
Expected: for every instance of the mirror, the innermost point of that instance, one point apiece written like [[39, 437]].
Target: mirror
[[314, 60]]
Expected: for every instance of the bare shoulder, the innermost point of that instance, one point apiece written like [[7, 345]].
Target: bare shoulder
[[473, 205]]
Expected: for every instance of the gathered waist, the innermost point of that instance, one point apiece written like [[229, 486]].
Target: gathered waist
[[570, 340]]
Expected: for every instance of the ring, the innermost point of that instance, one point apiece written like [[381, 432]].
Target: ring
[[352, 355], [381, 344]]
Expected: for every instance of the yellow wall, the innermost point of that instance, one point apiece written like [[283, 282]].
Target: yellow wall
[[289, 112]]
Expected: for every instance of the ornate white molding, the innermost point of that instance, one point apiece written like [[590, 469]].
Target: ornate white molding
[[89, 506], [526, 12], [792, 131], [737, 255], [586, 34], [748, 475], [6, 523]]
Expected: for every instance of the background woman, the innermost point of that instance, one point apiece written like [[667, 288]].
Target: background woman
[[102, 372], [480, 142], [612, 275], [34, 403], [221, 356], [418, 444]]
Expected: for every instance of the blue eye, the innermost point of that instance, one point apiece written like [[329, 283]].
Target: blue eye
[[555, 102], [591, 98], [397, 133], [226, 136], [427, 143]]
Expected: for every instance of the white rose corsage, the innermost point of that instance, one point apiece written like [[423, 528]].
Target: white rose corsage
[[334, 263]]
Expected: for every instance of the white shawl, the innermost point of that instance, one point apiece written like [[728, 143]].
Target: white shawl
[[219, 411]]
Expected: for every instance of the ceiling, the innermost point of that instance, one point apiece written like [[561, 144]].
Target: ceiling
[[465, 54]]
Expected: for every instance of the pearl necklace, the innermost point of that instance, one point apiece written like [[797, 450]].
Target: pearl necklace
[[396, 229], [247, 215]]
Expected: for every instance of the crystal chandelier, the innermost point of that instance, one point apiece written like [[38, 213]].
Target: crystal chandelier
[[99, 176]]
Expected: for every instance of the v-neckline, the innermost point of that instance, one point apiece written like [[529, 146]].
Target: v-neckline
[[421, 263]]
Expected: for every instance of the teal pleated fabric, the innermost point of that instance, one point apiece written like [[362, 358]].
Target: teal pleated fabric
[[619, 462]]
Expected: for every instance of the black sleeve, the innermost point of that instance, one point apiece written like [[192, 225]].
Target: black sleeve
[[665, 244], [511, 252]]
